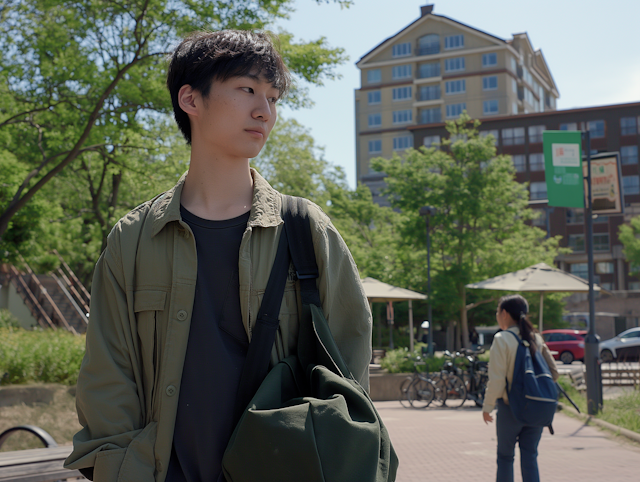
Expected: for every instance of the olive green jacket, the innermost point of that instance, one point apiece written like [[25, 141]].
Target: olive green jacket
[[142, 298]]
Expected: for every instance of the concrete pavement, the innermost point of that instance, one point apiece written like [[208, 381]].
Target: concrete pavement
[[455, 444]]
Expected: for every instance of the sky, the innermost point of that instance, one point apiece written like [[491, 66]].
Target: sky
[[591, 47]]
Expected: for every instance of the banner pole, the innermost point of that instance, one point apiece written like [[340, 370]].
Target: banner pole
[[591, 355]]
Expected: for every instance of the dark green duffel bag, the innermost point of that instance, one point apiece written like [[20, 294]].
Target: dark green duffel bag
[[310, 420]]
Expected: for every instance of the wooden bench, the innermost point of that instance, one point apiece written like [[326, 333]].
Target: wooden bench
[[620, 376], [37, 465]]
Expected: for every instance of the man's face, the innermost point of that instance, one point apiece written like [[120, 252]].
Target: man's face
[[237, 116]]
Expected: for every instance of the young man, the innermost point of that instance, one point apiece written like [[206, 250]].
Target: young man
[[176, 292]]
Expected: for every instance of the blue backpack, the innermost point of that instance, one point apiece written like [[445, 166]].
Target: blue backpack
[[533, 396]]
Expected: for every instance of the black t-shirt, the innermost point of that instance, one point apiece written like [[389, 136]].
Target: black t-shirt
[[216, 352]]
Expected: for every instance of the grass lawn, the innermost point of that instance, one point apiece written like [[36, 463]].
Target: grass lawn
[[623, 411]]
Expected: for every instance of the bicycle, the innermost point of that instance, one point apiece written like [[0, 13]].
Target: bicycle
[[449, 382], [476, 376], [417, 390]]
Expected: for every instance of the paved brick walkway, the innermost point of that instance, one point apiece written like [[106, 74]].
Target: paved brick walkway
[[454, 444]]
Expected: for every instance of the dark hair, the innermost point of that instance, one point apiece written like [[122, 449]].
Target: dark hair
[[517, 307], [203, 57]]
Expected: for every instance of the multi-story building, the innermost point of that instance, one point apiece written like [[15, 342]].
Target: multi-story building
[[434, 69], [613, 128]]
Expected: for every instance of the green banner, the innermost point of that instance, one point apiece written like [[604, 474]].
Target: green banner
[[563, 168]]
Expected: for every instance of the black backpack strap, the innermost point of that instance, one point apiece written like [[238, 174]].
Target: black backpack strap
[[256, 364], [298, 229]]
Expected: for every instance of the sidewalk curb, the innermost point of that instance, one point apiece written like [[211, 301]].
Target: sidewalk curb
[[609, 426]]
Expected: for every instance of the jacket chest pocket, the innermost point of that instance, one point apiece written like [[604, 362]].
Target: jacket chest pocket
[[149, 307]]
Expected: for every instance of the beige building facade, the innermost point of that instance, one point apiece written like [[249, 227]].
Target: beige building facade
[[432, 71]]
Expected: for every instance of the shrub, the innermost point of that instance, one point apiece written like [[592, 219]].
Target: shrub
[[7, 320], [40, 356], [401, 360]]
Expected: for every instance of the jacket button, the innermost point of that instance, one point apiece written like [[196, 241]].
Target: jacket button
[[171, 390], [182, 315]]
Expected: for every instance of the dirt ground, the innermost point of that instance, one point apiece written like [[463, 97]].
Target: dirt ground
[[58, 418]]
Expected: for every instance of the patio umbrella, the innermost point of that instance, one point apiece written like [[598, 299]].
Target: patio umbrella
[[540, 277], [382, 292]]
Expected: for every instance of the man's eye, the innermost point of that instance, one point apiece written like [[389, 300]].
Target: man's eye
[[249, 90]]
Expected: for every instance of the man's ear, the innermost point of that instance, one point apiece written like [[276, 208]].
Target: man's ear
[[187, 99]]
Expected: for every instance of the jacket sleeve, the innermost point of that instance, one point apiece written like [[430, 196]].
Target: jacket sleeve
[[108, 396], [344, 302], [498, 366], [544, 349]]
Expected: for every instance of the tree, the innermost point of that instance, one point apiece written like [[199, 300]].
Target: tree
[[629, 235], [295, 165], [74, 74], [480, 226]]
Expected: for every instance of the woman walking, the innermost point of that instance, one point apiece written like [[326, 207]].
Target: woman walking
[[512, 315]]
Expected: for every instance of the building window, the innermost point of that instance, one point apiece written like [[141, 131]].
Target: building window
[[454, 42], [541, 219], [630, 185], [575, 216], [514, 108], [489, 60], [604, 268], [538, 190], [430, 116], [490, 83], [576, 243], [431, 141], [429, 44], [520, 162], [536, 162], [628, 126], [570, 126], [454, 65], [601, 242], [596, 128], [580, 269], [494, 133], [629, 154], [455, 86], [402, 116], [404, 142], [401, 72], [375, 146], [429, 92], [402, 93], [426, 71], [600, 219], [402, 50], [634, 285], [375, 120], [535, 134], [513, 136], [454, 110], [374, 76], [374, 97], [490, 107]]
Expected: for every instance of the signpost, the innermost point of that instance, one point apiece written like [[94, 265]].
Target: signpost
[[563, 170]]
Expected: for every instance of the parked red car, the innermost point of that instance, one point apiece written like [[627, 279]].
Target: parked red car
[[566, 345]]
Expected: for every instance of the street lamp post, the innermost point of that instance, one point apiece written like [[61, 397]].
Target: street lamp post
[[427, 211]]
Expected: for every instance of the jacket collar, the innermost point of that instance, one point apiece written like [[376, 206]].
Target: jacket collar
[[265, 209]]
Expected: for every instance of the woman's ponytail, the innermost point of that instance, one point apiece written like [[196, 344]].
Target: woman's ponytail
[[517, 307]]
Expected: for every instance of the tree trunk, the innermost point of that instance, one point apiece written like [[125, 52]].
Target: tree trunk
[[464, 328]]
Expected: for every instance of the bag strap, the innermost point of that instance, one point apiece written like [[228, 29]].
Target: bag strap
[[316, 345], [256, 364]]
